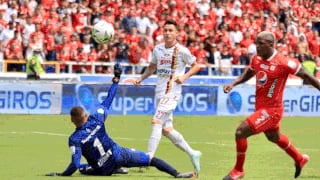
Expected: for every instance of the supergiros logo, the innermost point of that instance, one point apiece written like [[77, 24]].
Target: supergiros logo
[[16, 99], [234, 102]]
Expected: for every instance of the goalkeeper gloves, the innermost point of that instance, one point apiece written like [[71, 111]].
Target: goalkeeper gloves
[[117, 70], [54, 174]]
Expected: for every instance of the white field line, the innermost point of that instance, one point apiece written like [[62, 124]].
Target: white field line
[[119, 138], [132, 139]]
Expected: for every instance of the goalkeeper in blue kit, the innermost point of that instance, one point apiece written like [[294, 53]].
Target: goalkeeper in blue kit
[[103, 155]]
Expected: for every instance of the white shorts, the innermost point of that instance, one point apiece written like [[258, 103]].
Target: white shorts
[[165, 105]]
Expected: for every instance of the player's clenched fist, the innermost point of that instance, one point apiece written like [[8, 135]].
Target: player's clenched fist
[[227, 88], [137, 82], [117, 70], [179, 79]]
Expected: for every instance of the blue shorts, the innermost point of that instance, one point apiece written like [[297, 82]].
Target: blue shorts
[[132, 158], [122, 157]]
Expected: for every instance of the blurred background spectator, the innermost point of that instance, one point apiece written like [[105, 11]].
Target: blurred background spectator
[[34, 65], [309, 64]]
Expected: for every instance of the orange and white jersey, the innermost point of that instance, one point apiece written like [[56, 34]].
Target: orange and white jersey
[[171, 62]]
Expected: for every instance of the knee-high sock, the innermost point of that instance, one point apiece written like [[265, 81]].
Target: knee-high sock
[[286, 145], [163, 166], [241, 147], [154, 139], [178, 140]]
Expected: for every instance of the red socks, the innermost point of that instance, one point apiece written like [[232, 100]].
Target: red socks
[[285, 144], [241, 145]]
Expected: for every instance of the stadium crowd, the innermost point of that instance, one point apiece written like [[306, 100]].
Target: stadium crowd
[[219, 32]]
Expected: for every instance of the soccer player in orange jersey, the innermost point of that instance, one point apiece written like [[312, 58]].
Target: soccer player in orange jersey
[[272, 70]]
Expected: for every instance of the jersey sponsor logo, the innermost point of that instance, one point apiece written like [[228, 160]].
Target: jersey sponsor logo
[[263, 66], [262, 78], [91, 134], [165, 71], [271, 89], [163, 75], [165, 61]]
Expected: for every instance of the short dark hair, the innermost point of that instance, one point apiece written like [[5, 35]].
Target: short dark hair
[[171, 22], [77, 112]]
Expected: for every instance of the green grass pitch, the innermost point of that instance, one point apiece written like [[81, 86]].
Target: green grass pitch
[[32, 145]]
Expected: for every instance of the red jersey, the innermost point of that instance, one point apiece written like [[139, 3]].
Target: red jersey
[[271, 77], [25, 10], [78, 19], [47, 3], [314, 46], [49, 42]]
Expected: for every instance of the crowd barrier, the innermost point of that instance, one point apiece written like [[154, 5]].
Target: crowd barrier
[[93, 77], [134, 67], [57, 98], [5, 63]]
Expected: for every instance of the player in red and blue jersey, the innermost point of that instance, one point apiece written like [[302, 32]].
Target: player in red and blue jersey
[[103, 155], [271, 70]]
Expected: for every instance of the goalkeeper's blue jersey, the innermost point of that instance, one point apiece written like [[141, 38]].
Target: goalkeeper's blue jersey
[[91, 139]]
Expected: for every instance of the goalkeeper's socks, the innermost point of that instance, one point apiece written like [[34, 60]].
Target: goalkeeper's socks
[[163, 166]]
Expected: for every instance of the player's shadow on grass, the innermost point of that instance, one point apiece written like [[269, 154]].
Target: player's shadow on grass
[[133, 173], [145, 174]]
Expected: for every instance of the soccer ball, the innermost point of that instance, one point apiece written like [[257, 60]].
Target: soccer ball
[[102, 32]]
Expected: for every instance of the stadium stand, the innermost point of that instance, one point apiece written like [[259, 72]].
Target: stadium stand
[[210, 29]]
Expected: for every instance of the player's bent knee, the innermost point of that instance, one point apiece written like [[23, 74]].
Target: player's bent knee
[[240, 133], [155, 121], [166, 131], [243, 131]]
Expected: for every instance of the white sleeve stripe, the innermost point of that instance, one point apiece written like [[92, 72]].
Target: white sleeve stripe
[[298, 69]]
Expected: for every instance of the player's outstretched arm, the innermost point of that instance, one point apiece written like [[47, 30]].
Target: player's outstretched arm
[[76, 158], [117, 70], [68, 172], [309, 77], [102, 111], [245, 76], [75, 163]]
